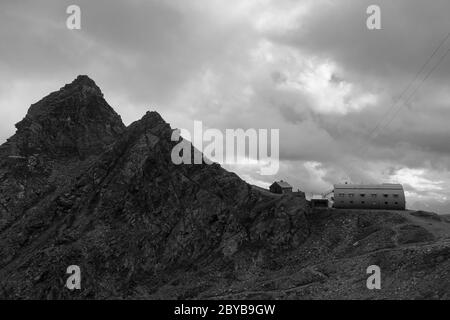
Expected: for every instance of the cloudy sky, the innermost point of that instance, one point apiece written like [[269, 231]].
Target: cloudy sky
[[309, 68]]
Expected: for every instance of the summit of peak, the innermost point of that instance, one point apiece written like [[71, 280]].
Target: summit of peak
[[75, 120], [153, 116], [85, 84], [84, 79]]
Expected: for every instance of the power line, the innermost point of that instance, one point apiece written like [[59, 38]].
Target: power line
[[379, 125], [409, 85], [410, 97], [415, 91]]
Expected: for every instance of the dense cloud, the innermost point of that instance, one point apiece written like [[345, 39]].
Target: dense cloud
[[309, 68]]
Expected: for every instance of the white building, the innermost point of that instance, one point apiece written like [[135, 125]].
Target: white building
[[375, 196]]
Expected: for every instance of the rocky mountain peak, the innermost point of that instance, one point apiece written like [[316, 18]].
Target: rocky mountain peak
[[84, 79], [84, 84], [151, 119], [73, 121]]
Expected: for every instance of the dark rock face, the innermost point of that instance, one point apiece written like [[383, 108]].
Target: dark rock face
[[60, 136], [73, 122], [128, 217], [90, 192]]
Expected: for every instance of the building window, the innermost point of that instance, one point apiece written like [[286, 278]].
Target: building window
[[386, 203], [351, 195], [363, 202], [362, 195], [385, 195], [374, 195], [396, 203], [351, 202], [395, 195], [341, 195]]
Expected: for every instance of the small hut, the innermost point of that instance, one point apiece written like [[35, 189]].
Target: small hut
[[280, 187]]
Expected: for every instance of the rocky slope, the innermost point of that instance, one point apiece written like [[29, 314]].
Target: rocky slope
[[77, 187]]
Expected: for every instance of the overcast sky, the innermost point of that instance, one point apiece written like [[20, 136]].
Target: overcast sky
[[309, 68]]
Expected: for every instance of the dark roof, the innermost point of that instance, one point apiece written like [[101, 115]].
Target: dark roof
[[384, 186], [282, 184]]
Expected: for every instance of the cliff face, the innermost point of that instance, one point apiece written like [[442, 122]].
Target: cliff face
[[78, 188]]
